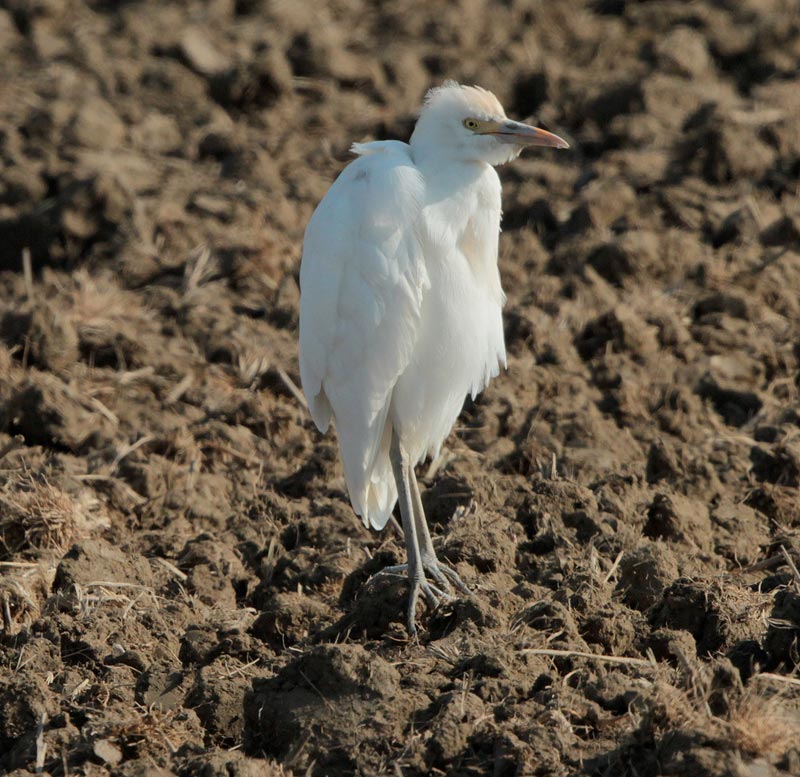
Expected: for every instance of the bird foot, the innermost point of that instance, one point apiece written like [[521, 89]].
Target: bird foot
[[433, 593], [444, 577]]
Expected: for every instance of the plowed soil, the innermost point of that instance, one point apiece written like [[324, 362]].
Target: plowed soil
[[184, 587]]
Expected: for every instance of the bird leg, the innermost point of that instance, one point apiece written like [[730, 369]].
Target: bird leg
[[441, 573], [404, 474], [419, 547]]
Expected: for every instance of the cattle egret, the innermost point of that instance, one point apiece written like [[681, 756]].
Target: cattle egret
[[400, 307]]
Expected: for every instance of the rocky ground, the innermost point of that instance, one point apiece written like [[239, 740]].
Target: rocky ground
[[184, 587]]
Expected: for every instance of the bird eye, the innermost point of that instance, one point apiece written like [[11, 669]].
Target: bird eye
[[471, 124]]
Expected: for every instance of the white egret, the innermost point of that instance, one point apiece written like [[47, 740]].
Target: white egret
[[400, 307]]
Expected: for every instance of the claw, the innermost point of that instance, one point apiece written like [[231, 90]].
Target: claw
[[456, 580]]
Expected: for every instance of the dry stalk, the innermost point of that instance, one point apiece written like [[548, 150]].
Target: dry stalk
[[199, 269], [623, 660], [292, 386], [27, 271], [777, 678], [614, 567], [41, 745], [180, 389], [171, 568], [127, 450], [790, 561], [250, 365]]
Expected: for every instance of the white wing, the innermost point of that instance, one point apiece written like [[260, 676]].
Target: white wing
[[362, 280]]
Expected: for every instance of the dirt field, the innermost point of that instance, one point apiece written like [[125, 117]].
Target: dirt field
[[184, 587]]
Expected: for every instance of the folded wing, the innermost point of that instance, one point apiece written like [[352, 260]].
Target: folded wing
[[362, 282]]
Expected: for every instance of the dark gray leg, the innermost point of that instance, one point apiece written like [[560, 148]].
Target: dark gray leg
[[403, 475], [441, 573]]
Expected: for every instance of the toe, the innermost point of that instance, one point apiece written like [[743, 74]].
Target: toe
[[413, 596], [434, 595], [397, 569], [453, 576], [435, 571]]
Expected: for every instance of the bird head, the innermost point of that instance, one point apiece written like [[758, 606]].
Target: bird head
[[467, 123]]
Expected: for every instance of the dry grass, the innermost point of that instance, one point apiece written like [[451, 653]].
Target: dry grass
[[250, 365], [38, 521], [36, 516], [201, 267], [106, 317], [762, 726], [742, 611], [23, 590], [99, 304], [755, 720], [146, 731]]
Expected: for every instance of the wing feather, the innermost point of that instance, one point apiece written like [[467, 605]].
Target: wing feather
[[362, 281]]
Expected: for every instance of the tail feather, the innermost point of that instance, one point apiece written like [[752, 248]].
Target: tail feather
[[369, 476], [381, 492]]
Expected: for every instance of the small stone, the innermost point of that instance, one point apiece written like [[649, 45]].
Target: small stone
[[218, 144], [740, 533], [9, 35], [97, 559], [21, 184], [107, 752], [735, 405], [621, 329], [47, 42], [200, 54], [678, 518], [259, 83], [738, 226], [671, 645], [720, 302], [288, 618], [286, 306]]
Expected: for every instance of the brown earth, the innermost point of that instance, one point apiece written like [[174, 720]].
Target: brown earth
[[184, 587]]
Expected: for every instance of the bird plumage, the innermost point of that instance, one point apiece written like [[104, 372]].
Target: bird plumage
[[400, 306]]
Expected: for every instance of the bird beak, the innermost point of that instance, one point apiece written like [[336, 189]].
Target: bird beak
[[524, 135]]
